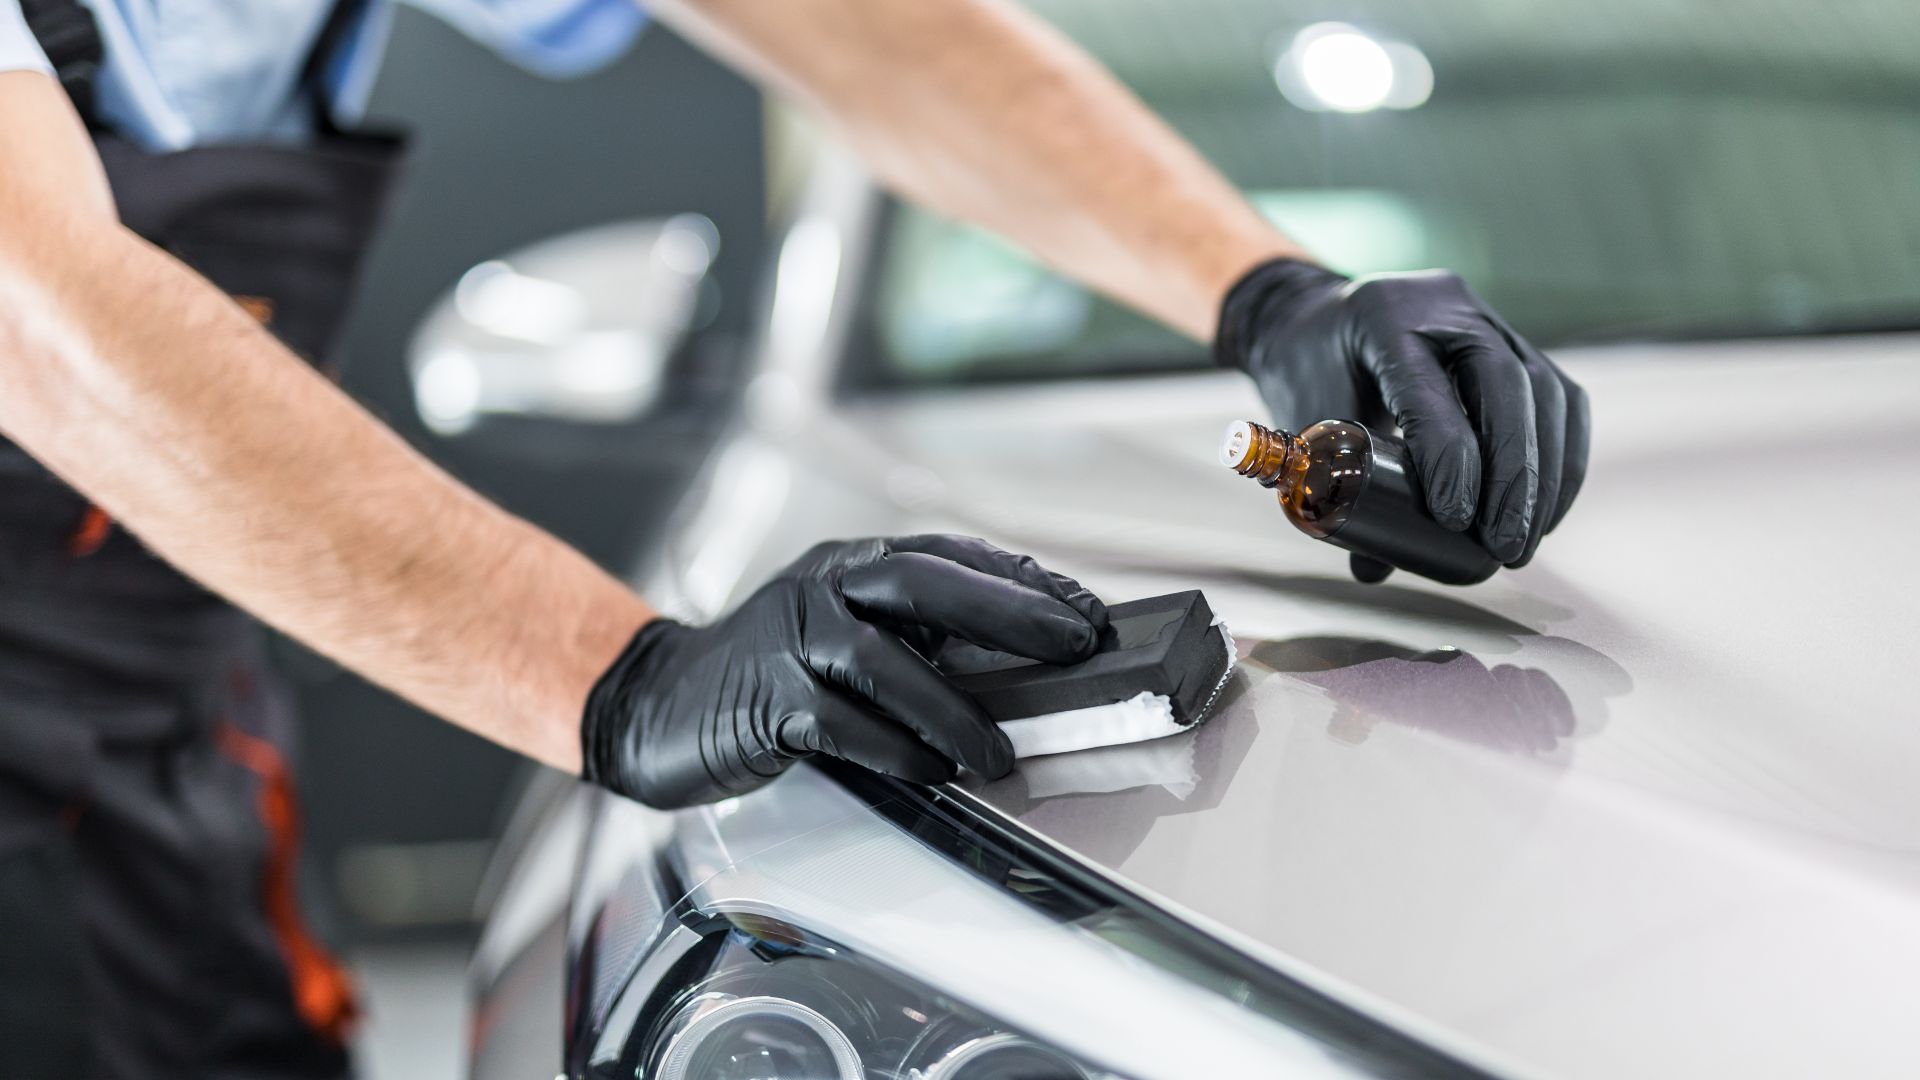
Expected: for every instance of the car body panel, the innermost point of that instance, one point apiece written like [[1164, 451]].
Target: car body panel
[[1645, 807]]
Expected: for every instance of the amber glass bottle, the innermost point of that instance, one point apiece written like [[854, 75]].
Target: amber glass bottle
[[1341, 483]]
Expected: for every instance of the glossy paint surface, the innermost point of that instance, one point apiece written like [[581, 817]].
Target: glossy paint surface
[[1649, 807]]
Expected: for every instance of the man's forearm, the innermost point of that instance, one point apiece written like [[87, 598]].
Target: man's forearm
[[141, 385], [978, 110]]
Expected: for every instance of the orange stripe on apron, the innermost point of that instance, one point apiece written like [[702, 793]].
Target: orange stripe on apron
[[322, 991]]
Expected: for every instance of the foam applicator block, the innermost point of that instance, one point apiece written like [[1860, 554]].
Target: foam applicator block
[[1162, 663]]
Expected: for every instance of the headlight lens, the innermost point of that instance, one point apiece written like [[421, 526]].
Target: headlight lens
[[719, 1037]]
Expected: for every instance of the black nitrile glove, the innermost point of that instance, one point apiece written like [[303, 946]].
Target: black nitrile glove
[[1497, 433], [828, 658]]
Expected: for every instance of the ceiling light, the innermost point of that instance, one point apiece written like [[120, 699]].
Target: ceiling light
[[1334, 67]]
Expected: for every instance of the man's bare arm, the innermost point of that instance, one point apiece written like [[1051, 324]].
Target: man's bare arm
[[143, 386], [975, 109], [978, 110]]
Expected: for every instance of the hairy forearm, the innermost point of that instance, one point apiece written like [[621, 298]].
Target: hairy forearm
[[148, 390], [977, 110]]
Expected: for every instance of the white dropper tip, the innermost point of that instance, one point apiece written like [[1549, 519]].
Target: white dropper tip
[[1237, 444]]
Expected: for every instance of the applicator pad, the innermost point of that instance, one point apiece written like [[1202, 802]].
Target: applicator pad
[[1162, 663]]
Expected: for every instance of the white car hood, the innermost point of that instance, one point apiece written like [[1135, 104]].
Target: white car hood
[[1648, 807]]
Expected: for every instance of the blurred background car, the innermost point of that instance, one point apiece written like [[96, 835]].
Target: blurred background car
[[1525, 826]]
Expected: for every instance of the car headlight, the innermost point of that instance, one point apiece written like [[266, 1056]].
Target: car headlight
[[773, 1004], [719, 1035], [845, 927]]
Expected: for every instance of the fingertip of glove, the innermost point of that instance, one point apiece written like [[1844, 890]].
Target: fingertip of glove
[[1086, 638], [1060, 639], [995, 757], [1508, 543], [1450, 475], [1095, 609], [1510, 553], [1450, 497]]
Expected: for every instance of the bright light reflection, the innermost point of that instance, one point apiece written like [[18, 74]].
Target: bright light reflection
[[1412, 77], [448, 390], [687, 244], [606, 364], [803, 284], [1336, 67], [1347, 70], [502, 301]]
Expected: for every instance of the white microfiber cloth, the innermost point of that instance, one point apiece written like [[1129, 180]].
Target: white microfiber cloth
[[1163, 763], [1137, 719]]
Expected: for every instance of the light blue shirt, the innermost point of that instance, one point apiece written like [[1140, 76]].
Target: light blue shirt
[[181, 73]]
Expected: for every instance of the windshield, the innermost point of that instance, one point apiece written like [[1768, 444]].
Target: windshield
[[1633, 170]]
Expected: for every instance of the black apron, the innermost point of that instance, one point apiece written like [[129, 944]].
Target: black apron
[[148, 831]]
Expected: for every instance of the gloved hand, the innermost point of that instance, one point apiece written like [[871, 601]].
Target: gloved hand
[[819, 661], [1496, 432]]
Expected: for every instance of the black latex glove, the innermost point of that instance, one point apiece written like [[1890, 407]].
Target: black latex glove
[[818, 661], [1496, 432]]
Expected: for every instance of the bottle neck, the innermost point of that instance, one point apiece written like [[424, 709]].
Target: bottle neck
[[1269, 456]]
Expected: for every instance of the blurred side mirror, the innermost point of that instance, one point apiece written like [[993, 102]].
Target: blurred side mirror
[[578, 329]]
